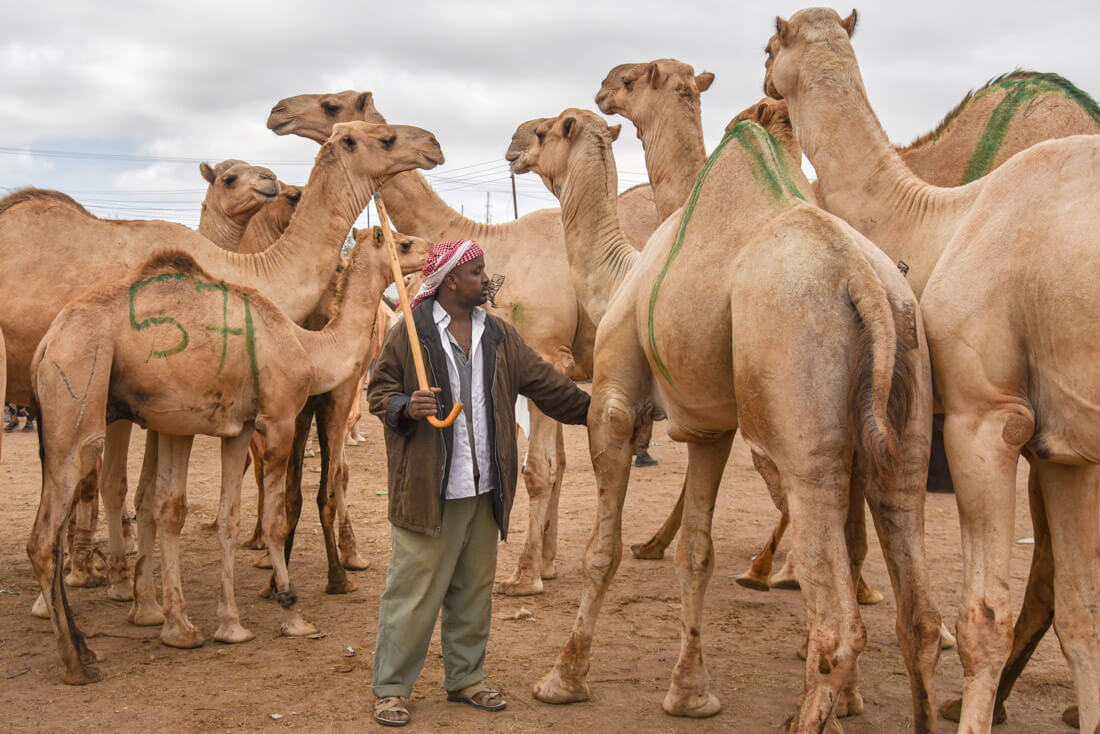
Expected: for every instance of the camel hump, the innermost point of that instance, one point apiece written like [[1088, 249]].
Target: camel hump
[[32, 194], [176, 261], [767, 160]]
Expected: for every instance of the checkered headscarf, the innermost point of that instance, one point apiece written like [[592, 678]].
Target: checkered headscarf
[[443, 258]]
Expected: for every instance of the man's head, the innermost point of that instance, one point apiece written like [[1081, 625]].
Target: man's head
[[467, 285]]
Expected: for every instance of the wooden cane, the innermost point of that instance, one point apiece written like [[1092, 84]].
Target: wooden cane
[[406, 308]]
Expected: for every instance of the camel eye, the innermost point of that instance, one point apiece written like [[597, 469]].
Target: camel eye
[[330, 108], [230, 179], [406, 245], [349, 142], [387, 142]]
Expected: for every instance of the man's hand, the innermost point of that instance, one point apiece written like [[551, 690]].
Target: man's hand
[[422, 404]]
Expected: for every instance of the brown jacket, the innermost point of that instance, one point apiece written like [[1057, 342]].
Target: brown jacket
[[419, 455]]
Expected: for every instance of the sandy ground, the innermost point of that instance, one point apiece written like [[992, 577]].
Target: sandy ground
[[318, 685]]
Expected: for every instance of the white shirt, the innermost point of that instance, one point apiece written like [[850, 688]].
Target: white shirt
[[460, 481]]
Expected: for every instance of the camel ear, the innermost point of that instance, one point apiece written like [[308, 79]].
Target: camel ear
[[207, 172], [569, 127], [704, 80], [378, 239], [849, 23], [362, 101], [654, 75], [615, 130], [781, 29]]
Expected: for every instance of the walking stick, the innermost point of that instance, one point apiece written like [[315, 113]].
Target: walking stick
[[406, 308]]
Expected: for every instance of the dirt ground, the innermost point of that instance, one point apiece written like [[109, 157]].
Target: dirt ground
[[319, 685]]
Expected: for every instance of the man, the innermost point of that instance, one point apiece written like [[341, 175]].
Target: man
[[451, 489]]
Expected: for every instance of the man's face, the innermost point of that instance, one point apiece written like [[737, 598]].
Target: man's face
[[469, 283]]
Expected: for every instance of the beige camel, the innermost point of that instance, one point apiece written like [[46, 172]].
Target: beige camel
[[186, 355], [38, 229], [755, 259], [235, 193], [268, 224], [530, 253], [1006, 268]]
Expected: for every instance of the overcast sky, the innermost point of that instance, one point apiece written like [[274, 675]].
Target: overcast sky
[[116, 103]]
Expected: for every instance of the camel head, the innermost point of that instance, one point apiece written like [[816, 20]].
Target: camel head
[[799, 41], [370, 251], [281, 210], [370, 152], [635, 90], [237, 189], [546, 146], [313, 115], [773, 116]]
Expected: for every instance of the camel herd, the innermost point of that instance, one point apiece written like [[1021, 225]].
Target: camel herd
[[826, 321]]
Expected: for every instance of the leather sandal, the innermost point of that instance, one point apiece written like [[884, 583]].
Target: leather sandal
[[390, 711], [480, 696]]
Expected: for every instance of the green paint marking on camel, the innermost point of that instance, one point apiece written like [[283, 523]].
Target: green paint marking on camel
[[768, 169], [224, 329], [1020, 88], [250, 342], [689, 209], [157, 320]]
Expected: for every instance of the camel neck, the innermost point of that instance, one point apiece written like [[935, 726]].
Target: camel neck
[[600, 255], [674, 153], [861, 177], [221, 229], [262, 232], [339, 351], [417, 209]]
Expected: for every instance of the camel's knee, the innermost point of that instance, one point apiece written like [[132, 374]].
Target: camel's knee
[[619, 418], [171, 513], [601, 562], [838, 648], [695, 554], [536, 474], [984, 634]]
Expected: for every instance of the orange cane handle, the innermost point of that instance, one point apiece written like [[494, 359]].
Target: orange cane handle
[[449, 419]]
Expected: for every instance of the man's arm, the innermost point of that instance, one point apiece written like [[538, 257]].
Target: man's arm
[[386, 395], [553, 392]]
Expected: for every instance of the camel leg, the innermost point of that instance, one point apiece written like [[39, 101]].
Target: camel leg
[[278, 442], [346, 401], [112, 488], [654, 548], [256, 453], [145, 611], [689, 694], [293, 491], [82, 551], [173, 455], [234, 457], [540, 475], [836, 634], [761, 567], [550, 527], [983, 466], [611, 421], [1036, 614], [331, 431], [1072, 498]]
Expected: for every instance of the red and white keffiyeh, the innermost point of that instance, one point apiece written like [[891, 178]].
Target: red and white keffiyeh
[[443, 258]]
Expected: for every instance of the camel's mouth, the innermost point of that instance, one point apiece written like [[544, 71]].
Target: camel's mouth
[[518, 165], [435, 159], [605, 103], [280, 127]]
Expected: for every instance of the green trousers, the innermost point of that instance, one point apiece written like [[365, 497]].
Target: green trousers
[[453, 572]]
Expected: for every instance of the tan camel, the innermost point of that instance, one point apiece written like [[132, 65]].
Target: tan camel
[[186, 355], [38, 229], [1006, 268], [268, 224], [529, 251], [756, 260], [235, 193]]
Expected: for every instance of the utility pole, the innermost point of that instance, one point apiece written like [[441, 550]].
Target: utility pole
[[488, 208]]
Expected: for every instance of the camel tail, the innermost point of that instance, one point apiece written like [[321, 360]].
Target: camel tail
[[880, 394]]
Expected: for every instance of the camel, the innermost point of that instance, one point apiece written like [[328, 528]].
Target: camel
[[235, 193], [1014, 373], [268, 224], [38, 229], [810, 322], [550, 318], [145, 349]]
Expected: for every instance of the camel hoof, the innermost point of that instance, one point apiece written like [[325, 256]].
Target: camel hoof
[[263, 561], [122, 590], [848, 703], [648, 551], [268, 592], [693, 707], [232, 633], [341, 587], [867, 596], [40, 609], [555, 688], [521, 587], [354, 562], [753, 582], [84, 578], [947, 640], [784, 582], [146, 615], [1071, 716], [295, 626], [81, 676], [549, 570], [256, 542], [803, 650], [952, 711], [185, 636], [209, 526]]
